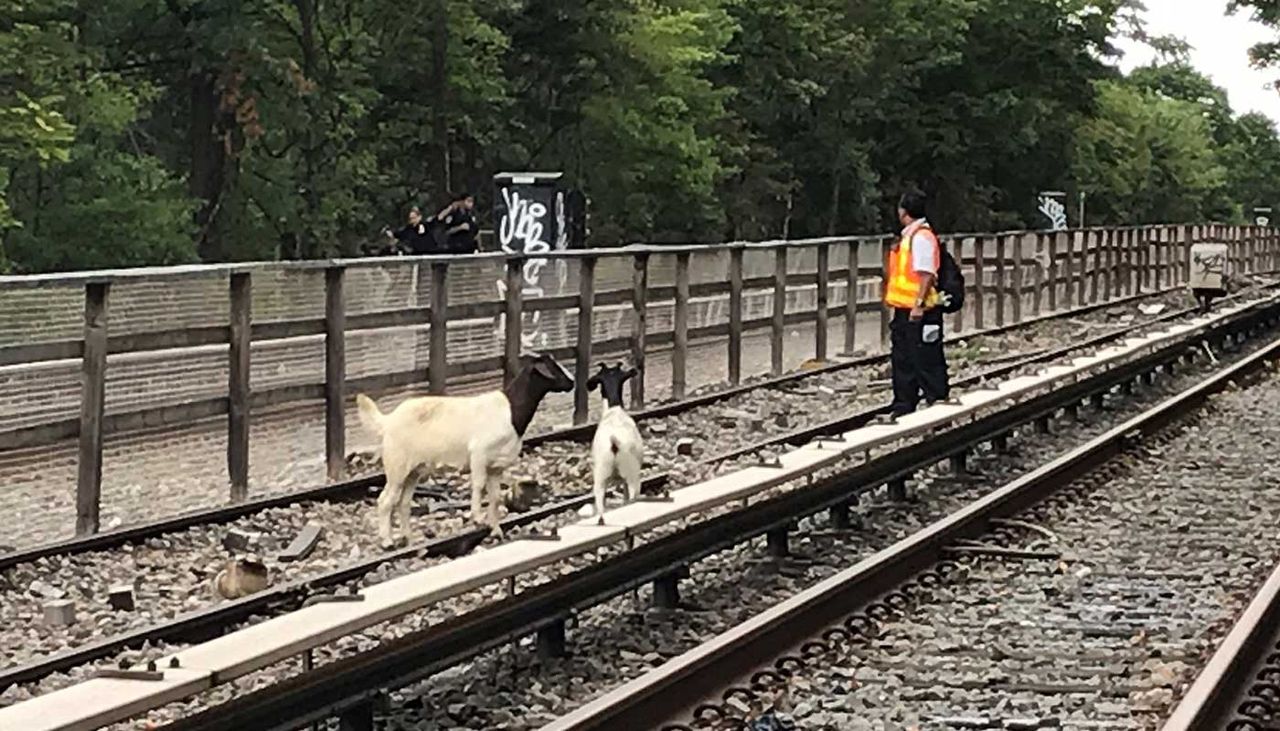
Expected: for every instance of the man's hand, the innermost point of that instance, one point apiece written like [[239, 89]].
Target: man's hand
[[944, 299], [917, 313]]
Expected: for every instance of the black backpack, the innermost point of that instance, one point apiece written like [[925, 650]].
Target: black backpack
[[950, 280]]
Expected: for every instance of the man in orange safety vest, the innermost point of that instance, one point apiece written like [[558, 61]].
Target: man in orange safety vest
[[915, 329]]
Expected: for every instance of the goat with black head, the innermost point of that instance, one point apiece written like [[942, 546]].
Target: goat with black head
[[617, 451], [482, 433]]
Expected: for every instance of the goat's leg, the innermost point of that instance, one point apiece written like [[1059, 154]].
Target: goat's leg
[[403, 508], [493, 485], [393, 492], [629, 468], [601, 479], [479, 475], [387, 502]]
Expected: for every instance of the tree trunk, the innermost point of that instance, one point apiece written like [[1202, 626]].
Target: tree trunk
[[439, 170], [834, 214], [208, 164]]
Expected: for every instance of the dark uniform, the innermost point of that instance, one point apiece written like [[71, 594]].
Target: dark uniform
[[919, 363]]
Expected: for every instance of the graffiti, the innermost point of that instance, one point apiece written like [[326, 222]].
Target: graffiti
[[521, 231], [1055, 212], [1209, 265]]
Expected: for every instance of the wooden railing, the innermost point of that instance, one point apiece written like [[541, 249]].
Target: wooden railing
[[1006, 274]]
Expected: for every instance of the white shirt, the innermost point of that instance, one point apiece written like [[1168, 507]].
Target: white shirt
[[924, 248]]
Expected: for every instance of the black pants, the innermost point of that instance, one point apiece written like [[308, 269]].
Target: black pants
[[917, 366]]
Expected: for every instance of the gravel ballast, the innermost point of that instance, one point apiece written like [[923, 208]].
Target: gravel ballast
[[171, 575]]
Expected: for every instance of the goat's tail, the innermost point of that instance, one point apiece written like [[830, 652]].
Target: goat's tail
[[370, 415]]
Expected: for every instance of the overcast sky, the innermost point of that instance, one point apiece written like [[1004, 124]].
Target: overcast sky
[[1220, 45]]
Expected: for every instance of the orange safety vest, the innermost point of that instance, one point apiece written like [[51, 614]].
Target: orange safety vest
[[902, 283]]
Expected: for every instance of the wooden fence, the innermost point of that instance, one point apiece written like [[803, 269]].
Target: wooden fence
[[484, 310]]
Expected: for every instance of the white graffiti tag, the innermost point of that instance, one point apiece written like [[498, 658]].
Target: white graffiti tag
[[520, 232], [1055, 212]]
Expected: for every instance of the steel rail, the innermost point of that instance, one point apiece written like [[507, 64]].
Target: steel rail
[[350, 682], [671, 690], [361, 488], [205, 623], [1239, 689]]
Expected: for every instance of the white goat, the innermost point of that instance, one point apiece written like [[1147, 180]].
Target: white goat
[[617, 451], [481, 433]]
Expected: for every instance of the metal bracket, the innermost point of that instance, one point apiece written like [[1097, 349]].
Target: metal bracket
[[553, 536], [150, 675], [332, 599]]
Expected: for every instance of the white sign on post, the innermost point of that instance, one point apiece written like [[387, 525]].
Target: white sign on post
[[1208, 266]]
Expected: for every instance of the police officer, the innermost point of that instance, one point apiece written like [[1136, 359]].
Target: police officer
[[919, 364]]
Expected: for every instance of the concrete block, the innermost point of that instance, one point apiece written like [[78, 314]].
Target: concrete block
[[241, 540], [121, 598], [59, 613]]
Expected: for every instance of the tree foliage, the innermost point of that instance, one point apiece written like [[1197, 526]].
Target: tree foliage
[[158, 131]]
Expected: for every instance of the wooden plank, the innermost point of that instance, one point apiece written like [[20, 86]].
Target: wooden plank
[[979, 285], [288, 329], [777, 333], [438, 337], [824, 284], [582, 353], [335, 372], [238, 386], [639, 326], [680, 352], [40, 352], [851, 302], [735, 316], [1001, 292], [304, 543], [93, 388], [513, 315]]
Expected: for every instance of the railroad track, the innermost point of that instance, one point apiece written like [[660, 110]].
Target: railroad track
[[188, 626], [1128, 558], [346, 683]]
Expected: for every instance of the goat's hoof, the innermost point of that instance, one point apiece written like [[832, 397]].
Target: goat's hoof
[[388, 545], [600, 520]]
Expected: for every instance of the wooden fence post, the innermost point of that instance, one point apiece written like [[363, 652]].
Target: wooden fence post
[[1016, 284], [639, 325], [824, 282], [979, 287], [1083, 270], [778, 324], [238, 386], [438, 343], [335, 371], [1002, 250], [1108, 278], [735, 315], [680, 353], [851, 302], [93, 387], [512, 344], [1037, 294], [582, 353], [1095, 273], [1053, 273]]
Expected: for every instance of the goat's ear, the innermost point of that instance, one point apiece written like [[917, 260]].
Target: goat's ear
[[593, 382], [630, 373]]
